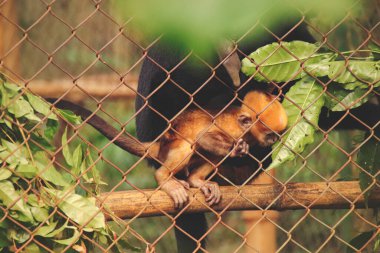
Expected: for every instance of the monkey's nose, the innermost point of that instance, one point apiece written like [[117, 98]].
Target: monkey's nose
[[271, 138]]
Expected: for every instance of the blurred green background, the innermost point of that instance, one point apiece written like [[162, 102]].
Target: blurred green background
[[120, 54]]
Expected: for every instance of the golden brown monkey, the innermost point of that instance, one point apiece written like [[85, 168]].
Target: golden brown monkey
[[197, 141], [259, 120]]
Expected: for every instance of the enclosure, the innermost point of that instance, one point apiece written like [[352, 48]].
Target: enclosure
[[65, 187]]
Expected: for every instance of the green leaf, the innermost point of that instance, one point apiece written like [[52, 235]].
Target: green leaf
[[303, 105], [355, 71], [14, 153], [66, 149], [368, 159], [354, 85], [27, 170], [278, 65], [5, 173], [20, 107], [51, 175], [123, 245], [40, 214], [4, 97], [73, 239], [341, 99], [32, 248], [376, 247], [12, 89], [4, 242], [32, 117], [317, 69], [42, 141], [94, 170], [9, 196], [44, 230], [58, 231], [33, 200], [359, 241], [70, 116], [79, 209], [41, 106], [20, 236], [375, 50], [77, 160], [51, 128]]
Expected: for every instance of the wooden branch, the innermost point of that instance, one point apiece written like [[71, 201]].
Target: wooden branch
[[86, 86], [321, 195]]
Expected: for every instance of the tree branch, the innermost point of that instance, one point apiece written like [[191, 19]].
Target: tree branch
[[320, 195]]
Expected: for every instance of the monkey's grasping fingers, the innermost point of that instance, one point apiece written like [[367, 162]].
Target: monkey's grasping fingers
[[240, 149], [176, 190], [212, 192]]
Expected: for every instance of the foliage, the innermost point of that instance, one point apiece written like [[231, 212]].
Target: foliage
[[324, 80], [45, 200], [360, 240], [200, 24], [348, 86], [303, 107], [368, 159]]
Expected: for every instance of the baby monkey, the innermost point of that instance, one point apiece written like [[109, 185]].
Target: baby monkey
[[198, 142]]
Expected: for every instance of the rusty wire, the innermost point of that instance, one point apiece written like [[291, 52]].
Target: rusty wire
[[125, 79]]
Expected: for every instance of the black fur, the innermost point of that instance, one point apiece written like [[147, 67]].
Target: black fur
[[168, 100]]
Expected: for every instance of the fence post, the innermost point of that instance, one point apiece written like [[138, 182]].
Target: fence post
[[8, 38], [261, 232]]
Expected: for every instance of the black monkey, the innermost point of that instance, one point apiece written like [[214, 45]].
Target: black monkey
[[166, 84]]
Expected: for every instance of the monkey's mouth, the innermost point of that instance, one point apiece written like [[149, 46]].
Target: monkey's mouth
[[269, 140]]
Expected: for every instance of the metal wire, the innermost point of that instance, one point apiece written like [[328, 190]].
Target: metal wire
[[75, 34]]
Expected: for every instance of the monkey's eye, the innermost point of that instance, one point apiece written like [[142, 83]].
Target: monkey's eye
[[245, 121]]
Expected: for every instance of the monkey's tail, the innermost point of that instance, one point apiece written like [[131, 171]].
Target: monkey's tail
[[122, 140]]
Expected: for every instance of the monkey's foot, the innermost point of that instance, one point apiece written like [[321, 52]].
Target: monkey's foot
[[176, 189], [241, 148], [212, 192]]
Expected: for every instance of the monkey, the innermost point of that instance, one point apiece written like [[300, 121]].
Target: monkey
[[259, 120], [160, 98]]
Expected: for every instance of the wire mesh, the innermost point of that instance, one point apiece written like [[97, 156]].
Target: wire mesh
[[84, 52]]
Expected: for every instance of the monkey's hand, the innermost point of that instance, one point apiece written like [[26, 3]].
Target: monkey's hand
[[240, 149], [211, 190], [176, 189]]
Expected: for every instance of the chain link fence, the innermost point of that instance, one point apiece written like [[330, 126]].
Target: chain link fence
[[66, 188]]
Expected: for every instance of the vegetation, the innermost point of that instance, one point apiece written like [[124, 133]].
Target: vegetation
[[323, 80], [41, 197]]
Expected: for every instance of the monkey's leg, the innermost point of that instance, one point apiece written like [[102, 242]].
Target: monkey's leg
[[177, 158], [211, 190]]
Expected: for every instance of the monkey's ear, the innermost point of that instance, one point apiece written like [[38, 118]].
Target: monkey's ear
[[231, 61], [245, 121]]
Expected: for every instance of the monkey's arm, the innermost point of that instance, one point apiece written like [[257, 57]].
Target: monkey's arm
[[210, 189], [175, 157], [219, 144]]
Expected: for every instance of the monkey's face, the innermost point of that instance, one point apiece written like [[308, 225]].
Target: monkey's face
[[265, 116]]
